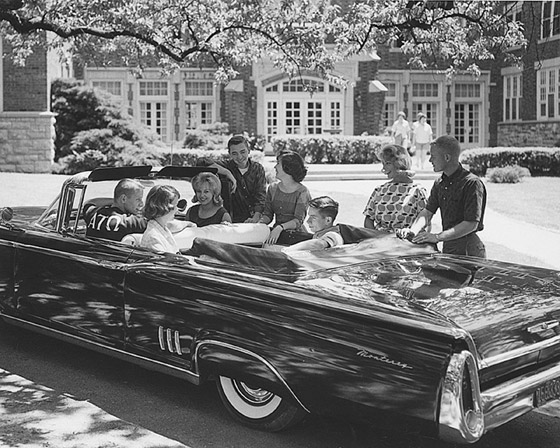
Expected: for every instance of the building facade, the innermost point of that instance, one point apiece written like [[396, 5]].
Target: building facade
[[26, 123], [529, 95]]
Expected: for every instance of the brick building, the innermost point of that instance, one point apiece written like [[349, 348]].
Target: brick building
[[26, 123], [530, 96]]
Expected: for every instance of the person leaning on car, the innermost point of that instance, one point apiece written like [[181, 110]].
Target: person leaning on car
[[123, 216], [460, 195]]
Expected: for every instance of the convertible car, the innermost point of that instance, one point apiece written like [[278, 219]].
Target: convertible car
[[379, 329]]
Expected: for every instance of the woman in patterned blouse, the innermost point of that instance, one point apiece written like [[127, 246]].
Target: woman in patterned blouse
[[396, 203]]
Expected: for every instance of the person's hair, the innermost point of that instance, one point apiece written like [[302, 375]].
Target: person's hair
[[158, 201], [292, 164], [127, 187], [214, 183], [326, 206], [236, 140], [420, 116], [449, 144], [397, 155], [401, 113]]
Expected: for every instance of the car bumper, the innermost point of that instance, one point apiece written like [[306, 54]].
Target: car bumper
[[466, 413]]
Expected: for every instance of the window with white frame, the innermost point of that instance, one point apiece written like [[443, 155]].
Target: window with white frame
[[153, 114], [550, 23], [199, 88], [548, 97], [198, 113], [467, 90], [425, 89], [112, 87], [513, 11], [390, 106], [292, 109], [153, 88], [512, 97]]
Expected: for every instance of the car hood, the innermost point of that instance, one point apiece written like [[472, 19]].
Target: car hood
[[505, 307], [27, 214]]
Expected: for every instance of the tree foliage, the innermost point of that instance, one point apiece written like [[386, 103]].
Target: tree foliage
[[295, 34], [92, 130]]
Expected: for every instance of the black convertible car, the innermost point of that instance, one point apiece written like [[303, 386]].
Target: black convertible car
[[378, 329]]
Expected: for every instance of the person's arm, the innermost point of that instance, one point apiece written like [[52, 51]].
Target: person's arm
[[312, 244], [368, 223], [268, 213], [225, 172], [258, 191], [423, 219], [226, 218], [177, 226], [455, 232]]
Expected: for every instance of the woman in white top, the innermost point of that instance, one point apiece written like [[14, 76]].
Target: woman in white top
[[401, 130], [160, 208], [421, 139]]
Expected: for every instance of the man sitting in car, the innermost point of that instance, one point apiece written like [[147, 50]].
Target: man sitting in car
[[123, 216]]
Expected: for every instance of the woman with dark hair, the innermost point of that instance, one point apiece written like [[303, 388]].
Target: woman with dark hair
[[160, 208], [395, 204], [286, 200]]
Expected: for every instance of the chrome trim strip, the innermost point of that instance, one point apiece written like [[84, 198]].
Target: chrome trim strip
[[250, 353], [168, 339], [515, 397], [519, 352], [160, 338], [177, 371], [455, 425], [178, 343]]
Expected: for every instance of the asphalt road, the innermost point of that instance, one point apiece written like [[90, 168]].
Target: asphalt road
[[194, 415]]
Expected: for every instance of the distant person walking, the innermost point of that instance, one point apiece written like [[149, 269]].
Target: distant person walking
[[421, 138], [460, 195], [401, 130]]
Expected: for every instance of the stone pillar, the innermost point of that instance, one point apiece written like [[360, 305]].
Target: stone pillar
[[27, 142]]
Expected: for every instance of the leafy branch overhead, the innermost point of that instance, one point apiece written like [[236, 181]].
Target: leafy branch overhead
[[295, 34]]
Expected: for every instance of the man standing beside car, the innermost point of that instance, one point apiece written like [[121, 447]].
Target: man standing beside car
[[460, 195], [123, 216]]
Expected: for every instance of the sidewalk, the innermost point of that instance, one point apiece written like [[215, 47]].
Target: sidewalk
[[34, 416]]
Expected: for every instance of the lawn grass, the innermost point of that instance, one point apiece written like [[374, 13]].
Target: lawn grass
[[535, 200]]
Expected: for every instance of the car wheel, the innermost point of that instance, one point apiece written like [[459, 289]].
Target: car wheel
[[256, 407]]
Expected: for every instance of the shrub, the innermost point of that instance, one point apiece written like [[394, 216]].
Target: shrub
[[92, 130], [211, 136], [507, 174], [339, 149], [539, 161]]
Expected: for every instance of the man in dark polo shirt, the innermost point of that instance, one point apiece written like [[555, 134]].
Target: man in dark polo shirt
[[248, 178], [460, 195], [123, 216]]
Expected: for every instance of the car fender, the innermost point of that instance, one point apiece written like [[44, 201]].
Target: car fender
[[213, 358]]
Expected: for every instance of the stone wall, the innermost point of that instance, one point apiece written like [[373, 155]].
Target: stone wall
[[529, 134], [26, 142]]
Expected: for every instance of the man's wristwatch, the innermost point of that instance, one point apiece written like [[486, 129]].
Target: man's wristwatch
[[438, 238]]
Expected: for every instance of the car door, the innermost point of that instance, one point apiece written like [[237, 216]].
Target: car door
[[71, 284]]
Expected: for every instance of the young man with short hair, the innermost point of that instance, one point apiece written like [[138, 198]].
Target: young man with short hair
[[461, 197], [321, 214], [248, 178]]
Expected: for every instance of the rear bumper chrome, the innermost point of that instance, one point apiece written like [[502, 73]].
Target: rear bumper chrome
[[514, 398], [466, 413]]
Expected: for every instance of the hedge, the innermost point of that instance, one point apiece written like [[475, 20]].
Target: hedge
[[539, 161], [336, 149]]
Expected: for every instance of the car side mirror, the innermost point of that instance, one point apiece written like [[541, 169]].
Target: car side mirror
[[6, 214]]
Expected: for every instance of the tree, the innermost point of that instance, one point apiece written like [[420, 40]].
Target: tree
[[295, 34], [92, 130]]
